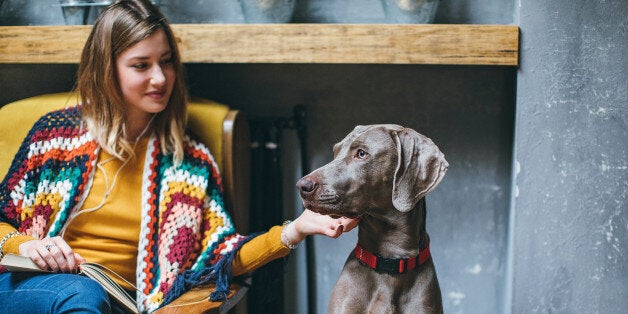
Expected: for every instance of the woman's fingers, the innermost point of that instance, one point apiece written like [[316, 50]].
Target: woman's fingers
[[336, 231], [36, 251], [63, 255], [43, 251], [33, 252], [79, 259], [52, 254], [349, 223]]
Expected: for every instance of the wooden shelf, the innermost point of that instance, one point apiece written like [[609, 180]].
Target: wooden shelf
[[291, 43]]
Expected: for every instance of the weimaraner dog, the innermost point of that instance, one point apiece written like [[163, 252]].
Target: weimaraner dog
[[381, 173]]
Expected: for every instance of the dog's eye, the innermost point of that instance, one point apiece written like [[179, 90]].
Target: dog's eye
[[361, 154]]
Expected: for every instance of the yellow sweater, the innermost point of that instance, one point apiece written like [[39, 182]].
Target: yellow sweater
[[109, 234]]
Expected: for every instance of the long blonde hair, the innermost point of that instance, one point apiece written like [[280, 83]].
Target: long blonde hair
[[120, 26]]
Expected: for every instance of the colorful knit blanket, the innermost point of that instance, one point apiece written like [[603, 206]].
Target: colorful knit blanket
[[186, 236]]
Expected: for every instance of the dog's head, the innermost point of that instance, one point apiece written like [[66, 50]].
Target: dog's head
[[374, 166]]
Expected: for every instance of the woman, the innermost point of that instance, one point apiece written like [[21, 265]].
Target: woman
[[118, 181]]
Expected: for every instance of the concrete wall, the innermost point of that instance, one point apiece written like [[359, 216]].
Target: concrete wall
[[570, 217]]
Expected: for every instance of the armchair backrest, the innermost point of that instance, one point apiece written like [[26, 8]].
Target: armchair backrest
[[223, 130]]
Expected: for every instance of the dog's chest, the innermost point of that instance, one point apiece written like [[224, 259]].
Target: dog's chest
[[367, 291]]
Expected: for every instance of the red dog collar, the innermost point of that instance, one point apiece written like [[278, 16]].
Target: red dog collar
[[391, 265]]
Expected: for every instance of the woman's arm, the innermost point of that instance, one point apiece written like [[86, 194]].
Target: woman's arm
[[269, 246], [11, 239]]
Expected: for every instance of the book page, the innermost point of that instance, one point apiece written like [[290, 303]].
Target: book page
[[99, 273], [18, 263]]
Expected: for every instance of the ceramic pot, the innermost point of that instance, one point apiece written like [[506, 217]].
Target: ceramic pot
[[410, 11], [75, 12], [267, 11]]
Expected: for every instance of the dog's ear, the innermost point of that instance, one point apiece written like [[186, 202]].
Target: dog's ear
[[420, 167]]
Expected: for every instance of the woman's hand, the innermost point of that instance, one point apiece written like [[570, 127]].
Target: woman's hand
[[52, 254], [311, 223]]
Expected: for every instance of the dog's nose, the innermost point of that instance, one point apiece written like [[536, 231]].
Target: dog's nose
[[306, 185]]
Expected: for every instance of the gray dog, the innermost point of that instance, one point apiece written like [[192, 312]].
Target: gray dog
[[381, 173]]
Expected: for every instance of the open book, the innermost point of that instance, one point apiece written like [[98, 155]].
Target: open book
[[100, 273]]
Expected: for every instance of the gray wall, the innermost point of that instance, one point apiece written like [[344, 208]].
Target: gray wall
[[540, 230], [569, 207]]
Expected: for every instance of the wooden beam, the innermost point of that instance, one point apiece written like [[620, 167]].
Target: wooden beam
[[291, 43]]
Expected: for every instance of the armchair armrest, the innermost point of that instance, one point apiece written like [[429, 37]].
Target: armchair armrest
[[236, 160]]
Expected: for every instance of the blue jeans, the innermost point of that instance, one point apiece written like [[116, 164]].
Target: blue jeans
[[51, 293]]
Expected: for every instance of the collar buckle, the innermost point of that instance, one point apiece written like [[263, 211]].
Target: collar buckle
[[388, 265]]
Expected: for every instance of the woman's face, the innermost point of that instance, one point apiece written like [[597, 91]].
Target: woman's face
[[146, 76]]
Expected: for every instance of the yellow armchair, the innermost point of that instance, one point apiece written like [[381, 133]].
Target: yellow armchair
[[223, 130]]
